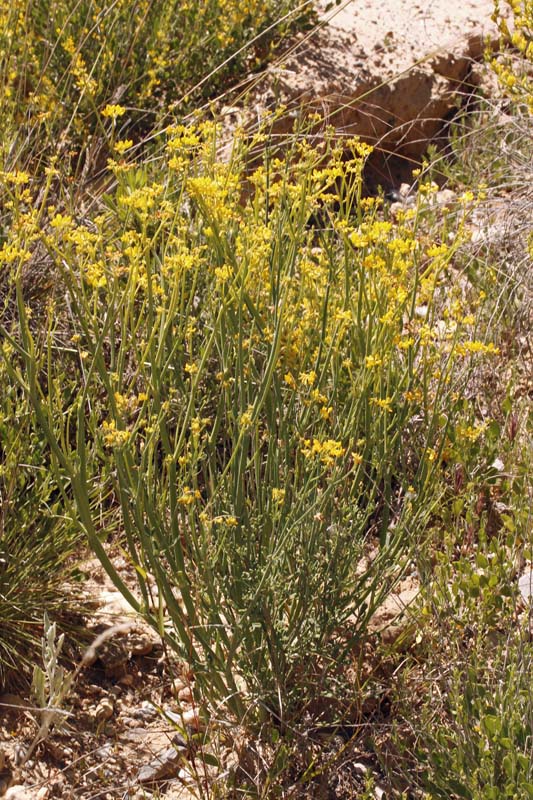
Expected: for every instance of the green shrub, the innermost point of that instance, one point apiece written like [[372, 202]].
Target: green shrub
[[267, 400]]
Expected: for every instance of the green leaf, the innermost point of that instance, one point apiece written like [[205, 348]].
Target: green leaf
[[492, 724]]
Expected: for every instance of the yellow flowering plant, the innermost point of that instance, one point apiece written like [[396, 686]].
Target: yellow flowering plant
[[262, 396]]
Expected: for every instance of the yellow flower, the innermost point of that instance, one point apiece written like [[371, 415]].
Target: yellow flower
[[16, 178], [228, 521], [113, 437], [308, 378], [325, 412], [477, 347], [113, 111], [123, 145], [246, 418], [328, 450], [189, 496], [223, 273], [373, 361], [289, 380], [472, 432], [61, 221], [384, 403]]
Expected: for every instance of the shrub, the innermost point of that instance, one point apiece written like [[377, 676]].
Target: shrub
[[267, 400]]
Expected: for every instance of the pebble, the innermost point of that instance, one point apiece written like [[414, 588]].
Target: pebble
[[147, 712], [525, 586], [105, 751], [129, 722], [178, 686], [165, 765], [185, 695], [104, 710], [134, 735], [191, 718], [18, 792], [142, 646]]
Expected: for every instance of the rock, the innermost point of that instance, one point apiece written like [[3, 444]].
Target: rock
[[525, 586], [185, 719], [147, 712], [185, 695], [18, 792], [104, 710], [166, 765], [177, 686], [391, 620], [191, 719], [140, 645], [446, 198], [394, 89], [134, 735]]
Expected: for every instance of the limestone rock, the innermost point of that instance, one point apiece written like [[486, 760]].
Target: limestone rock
[[390, 72]]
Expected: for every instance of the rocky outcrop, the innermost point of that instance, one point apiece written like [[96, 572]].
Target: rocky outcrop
[[392, 72]]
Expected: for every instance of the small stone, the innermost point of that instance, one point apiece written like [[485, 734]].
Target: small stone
[[104, 752], [134, 735], [166, 765], [19, 754], [104, 710], [186, 777], [525, 586], [396, 208], [445, 198], [191, 718], [141, 646], [147, 712], [177, 686], [17, 792], [43, 793], [185, 695]]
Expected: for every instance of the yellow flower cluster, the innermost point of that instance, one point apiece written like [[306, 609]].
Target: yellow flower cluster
[[112, 436], [328, 450]]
